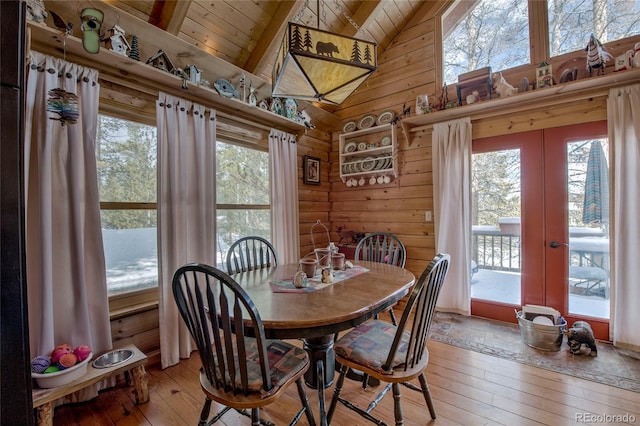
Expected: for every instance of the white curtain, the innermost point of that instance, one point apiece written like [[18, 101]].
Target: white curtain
[[623, 117], [186, 208], [66, 278], [451, 145], [283, 170]]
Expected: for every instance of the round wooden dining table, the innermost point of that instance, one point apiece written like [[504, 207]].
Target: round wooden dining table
[[316, 316]]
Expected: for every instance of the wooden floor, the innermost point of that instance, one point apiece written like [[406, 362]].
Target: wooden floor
[[468, 388]]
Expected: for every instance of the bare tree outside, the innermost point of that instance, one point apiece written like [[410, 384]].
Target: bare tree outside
[[495, 33]]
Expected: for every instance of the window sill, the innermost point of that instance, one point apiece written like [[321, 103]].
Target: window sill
[[123, 305]]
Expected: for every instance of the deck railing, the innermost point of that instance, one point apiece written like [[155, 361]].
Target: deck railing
[[496, 251]]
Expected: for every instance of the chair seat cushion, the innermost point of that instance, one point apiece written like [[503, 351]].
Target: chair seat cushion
[[368, 345], [284, 362]]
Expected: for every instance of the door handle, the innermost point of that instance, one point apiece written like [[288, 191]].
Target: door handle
[[555, 244]]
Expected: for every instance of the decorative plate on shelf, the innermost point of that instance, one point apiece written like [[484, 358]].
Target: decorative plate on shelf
[[349, 126], [386, 117], [350, 147], [368, 164], [367, 121], [385, 141], [362, 146]]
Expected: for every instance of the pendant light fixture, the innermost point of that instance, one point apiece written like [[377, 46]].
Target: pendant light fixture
[[317, 65]]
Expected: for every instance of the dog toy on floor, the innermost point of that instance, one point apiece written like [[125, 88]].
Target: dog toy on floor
[[581, 334]]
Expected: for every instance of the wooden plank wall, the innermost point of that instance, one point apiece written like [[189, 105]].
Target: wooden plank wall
[[405, 70], [313, 200]]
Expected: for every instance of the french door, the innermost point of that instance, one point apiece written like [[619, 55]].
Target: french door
[[540, 224]]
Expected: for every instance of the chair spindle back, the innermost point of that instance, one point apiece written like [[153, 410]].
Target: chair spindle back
[[215, 308], [250, 253], [422, 303], [381, 247]]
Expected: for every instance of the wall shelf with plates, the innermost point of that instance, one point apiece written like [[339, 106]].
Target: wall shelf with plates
[[369, 156]]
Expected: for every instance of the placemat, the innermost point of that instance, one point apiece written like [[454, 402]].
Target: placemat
[[314, 284]]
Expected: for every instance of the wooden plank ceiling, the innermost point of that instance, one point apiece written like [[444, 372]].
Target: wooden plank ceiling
[[246, 33]]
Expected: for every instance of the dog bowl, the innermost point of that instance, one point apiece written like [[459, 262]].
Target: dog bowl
[[112, 358]]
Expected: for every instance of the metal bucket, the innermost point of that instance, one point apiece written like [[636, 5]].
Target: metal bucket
[[541, 336]]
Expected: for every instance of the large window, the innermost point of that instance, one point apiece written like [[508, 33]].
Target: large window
[[571, 22], [126, 157], [243, 195], [496, 33], [127, 170], [491, 33]]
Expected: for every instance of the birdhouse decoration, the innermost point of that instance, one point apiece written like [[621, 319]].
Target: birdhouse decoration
[[117, 41], [193, 73], [544, 75], [161, 61]]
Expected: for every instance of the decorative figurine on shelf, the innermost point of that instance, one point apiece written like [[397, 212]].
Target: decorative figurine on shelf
[[597, 56], [624, 62], [179, 72], [581, 333], [117, 42], [36, 11], [134, 53], [253, 100], [544, 75], [569, 74], [501, 86], [194, 73], [161, 61], [444, 98], [243, 87], [290, 108], [422, 104], [473, 97], [636, 55], [305, 119]]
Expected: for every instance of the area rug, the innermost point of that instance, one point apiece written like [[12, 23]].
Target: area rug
[[613, 366]]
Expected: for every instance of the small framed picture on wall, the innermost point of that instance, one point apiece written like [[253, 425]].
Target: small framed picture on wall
[[311, 169]]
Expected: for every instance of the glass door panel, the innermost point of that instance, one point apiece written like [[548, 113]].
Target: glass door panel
[[496, 211], [588, 207]]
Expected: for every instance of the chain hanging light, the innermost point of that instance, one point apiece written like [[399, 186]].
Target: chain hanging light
[[317, 65]]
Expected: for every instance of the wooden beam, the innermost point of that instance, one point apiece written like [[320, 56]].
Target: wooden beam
[[177, 18], [365, 14], [272, 36], [169, 14], [538, 31]]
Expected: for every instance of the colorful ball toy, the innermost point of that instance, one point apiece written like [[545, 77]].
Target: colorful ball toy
[[51, 369], [60, 350], [67, 360], [40, 363], [82, 352]]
